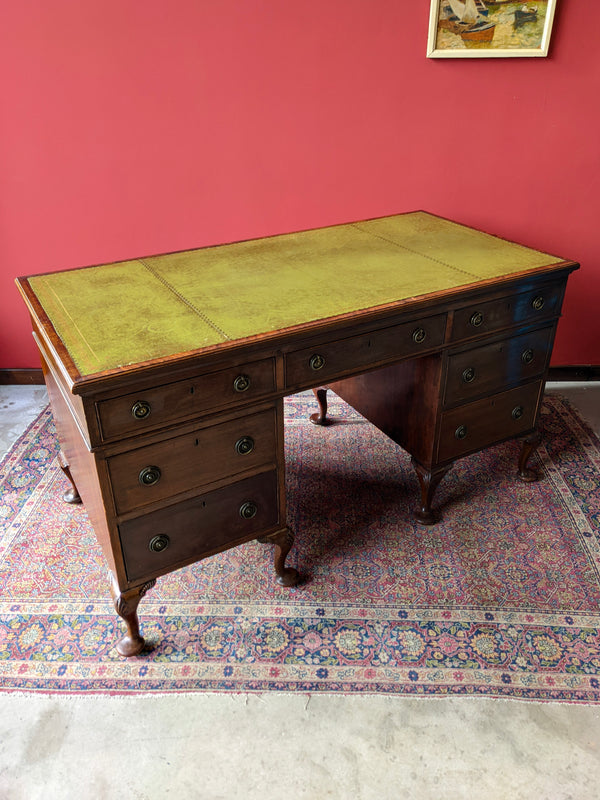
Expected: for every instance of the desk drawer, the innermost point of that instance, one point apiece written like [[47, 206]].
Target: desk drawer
[[150, 408], [478, 319], [484, 422], [164, 540], [322, 363], [484, 370], [162, 470]]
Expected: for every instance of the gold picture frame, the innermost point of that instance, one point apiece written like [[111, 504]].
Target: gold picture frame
[[489, 28]]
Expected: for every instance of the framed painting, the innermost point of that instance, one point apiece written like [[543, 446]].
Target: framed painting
[[489, 28]]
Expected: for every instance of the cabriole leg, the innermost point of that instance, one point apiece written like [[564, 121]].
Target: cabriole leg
[[71, 495], [283, 541], [530, 445], [428, 482], [321, 417], [126, 604]]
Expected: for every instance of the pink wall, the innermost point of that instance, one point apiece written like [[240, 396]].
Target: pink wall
[[133, 127]]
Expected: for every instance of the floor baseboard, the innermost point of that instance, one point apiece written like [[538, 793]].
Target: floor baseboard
[[589, 372], [21, 377]]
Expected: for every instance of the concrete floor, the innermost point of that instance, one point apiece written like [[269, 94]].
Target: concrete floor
[[276, 746]]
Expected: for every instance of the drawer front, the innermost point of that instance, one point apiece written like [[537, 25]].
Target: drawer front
[[490, 368], [151, 408], [159, 471], [479, 319], [163, 540], [484, 422], [322, 363]]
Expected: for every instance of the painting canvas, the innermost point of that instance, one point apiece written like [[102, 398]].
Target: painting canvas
[[484, 28]]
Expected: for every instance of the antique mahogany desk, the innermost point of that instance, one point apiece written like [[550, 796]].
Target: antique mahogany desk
[[167, 374]]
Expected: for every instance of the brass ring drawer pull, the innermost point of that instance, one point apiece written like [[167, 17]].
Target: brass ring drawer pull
[[149, 476], [476, 319], [537, 303], [159, 543], [460, 432], [468, 375], [317, 361], [419, 335], [248, 510], [517, 412], [140, 410], [241, 383], [244, 445], [527, 356]]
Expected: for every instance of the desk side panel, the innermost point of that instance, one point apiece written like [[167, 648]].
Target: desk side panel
[[87, 471]]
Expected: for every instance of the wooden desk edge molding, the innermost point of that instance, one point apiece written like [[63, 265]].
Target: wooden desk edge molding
[[166, 375]]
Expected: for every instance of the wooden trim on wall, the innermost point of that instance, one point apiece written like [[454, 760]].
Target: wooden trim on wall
[[21, 376], [589, 372]]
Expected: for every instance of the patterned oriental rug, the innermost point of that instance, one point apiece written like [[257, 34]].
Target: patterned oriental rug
[[501, 598]]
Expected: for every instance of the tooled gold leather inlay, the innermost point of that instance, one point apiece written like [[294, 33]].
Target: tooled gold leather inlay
[[137, 311]]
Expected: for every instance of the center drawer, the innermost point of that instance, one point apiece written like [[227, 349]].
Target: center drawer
[[171, 537], [165, 469], [322, 363]]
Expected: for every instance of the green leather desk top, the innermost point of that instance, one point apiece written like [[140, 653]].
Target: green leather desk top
[[135, 311]]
